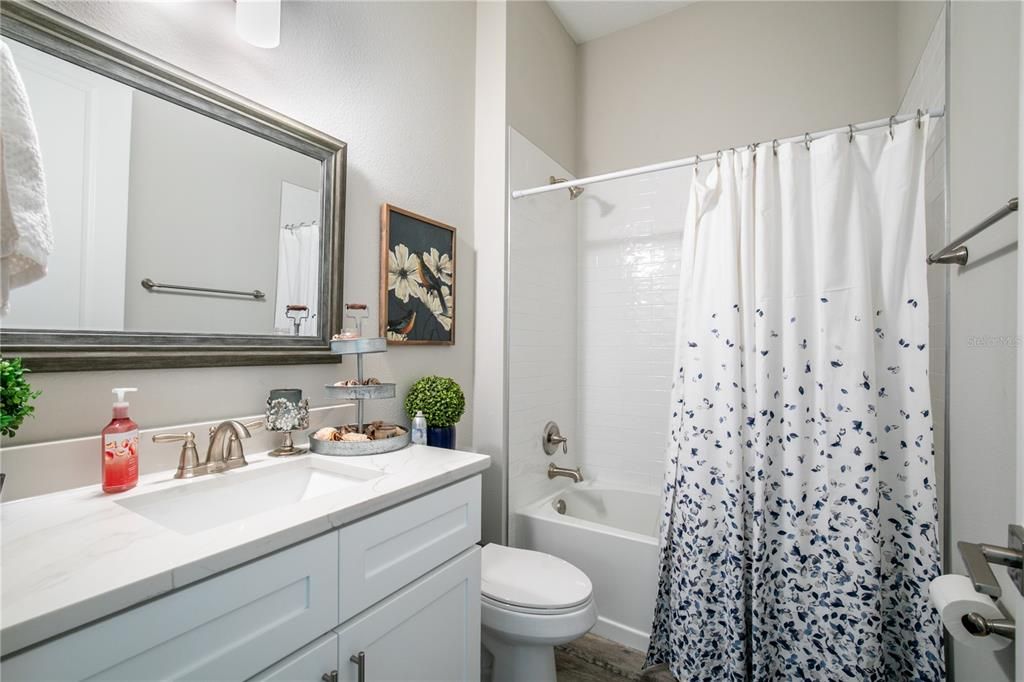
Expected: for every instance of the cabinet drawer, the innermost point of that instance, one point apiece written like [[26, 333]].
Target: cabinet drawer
[[428, 631], [389, 550], [309, 663], [226, 628]]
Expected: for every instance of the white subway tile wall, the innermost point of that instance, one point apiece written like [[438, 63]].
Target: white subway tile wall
[[630, 234], [542, 326]]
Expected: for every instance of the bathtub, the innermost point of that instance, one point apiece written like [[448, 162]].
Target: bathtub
[[611, 535]]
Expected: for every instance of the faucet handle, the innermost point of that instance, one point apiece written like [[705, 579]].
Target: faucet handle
[[553, 438], [188, 460]]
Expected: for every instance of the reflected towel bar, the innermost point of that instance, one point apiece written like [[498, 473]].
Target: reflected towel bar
[[151, 285], [955, 252]]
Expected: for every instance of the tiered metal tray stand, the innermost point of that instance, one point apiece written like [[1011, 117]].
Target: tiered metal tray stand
[[359, 347]]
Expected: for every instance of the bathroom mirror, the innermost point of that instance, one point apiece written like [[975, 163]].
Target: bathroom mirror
[[192, 227]]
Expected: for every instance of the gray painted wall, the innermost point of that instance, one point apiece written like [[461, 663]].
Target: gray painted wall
[[542, 80], [714, 75]]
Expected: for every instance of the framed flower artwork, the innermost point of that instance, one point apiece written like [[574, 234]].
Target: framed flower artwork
[[417, 273]]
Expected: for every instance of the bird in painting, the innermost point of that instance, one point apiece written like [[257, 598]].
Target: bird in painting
[[404, 324], [432, 282]]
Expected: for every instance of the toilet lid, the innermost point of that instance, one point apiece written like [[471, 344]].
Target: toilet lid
[[535, 580]]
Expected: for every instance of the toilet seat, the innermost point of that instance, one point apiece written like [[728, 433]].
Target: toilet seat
[[525, 581], [489, 601]]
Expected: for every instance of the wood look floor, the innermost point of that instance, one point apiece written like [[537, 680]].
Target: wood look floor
[[596, 659]]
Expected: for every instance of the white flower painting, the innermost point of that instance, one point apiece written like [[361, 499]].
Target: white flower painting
[[418, 279]]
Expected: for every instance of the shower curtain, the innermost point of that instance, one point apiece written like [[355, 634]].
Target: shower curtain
[[800, 520]]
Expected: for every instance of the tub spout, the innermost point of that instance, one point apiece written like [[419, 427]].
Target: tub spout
[[575, 474]]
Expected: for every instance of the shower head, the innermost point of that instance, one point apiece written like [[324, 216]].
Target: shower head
[[574, 190]]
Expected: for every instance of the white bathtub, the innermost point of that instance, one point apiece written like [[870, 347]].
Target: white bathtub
[[611, 535]]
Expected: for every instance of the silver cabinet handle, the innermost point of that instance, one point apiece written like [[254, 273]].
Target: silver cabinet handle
[[329, 677], [360, 661]]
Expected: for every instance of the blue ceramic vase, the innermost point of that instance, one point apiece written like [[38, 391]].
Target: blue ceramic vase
[[441, 436]]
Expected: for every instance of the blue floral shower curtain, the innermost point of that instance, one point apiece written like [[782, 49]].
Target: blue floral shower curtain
[[800, 520]]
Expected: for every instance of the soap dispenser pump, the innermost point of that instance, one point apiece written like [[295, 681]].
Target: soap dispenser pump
[[120, 439]]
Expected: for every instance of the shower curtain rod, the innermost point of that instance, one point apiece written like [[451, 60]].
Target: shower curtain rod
[[806, 138]]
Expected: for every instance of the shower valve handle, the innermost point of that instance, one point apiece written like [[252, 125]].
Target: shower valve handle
[[552, 438]]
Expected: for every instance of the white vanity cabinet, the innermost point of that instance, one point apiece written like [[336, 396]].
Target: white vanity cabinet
[[402, 586], [430, 630]]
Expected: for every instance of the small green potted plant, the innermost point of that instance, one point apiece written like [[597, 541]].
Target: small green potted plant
[[442, 402], [16, 396]]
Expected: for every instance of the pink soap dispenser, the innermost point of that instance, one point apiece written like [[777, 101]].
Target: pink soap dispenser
[[120, 467]]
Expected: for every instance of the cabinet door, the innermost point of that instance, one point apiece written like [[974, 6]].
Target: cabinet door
[[308, 664], [430, 630]]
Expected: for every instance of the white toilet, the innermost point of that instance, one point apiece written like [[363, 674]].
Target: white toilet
[[531, 601]]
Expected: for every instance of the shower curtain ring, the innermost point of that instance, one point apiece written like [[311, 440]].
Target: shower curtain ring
[[807, 141], [718, 158], [775, 147], [892, 122], [850, 126], [919, 115]]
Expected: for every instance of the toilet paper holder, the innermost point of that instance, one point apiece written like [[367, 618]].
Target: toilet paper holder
[[978, 556], [980, 626]]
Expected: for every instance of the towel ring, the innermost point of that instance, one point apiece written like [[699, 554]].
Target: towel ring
[[892, 122], [807, 141], [850, 126]]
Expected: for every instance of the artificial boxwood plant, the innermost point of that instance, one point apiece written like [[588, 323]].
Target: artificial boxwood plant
[[439, 398], [16, 396]]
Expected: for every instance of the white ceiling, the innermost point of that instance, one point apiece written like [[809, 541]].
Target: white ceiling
[[589, 19]]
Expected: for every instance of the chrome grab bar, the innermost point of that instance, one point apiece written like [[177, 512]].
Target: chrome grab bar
[[150, 285], [955, 253]]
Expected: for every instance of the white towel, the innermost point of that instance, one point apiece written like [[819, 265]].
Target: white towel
[[26, 238]]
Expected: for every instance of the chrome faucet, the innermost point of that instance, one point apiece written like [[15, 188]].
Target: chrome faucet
[[220, 455], [235, 456], [225, 450], [575, 474]]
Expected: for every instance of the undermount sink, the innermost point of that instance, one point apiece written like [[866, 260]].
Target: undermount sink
[[226, 498]]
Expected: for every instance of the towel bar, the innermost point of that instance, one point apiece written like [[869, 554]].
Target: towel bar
[[150, 285], [955, 252]]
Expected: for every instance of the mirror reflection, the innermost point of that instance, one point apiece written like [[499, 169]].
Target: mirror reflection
[[163, 219]]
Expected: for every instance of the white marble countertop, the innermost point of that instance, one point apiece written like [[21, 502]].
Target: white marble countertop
[[72, 557]]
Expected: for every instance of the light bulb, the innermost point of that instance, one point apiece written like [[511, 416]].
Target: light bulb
[[258, 22]]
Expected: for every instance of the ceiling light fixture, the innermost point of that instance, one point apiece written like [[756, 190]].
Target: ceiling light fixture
[[258, 22]]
